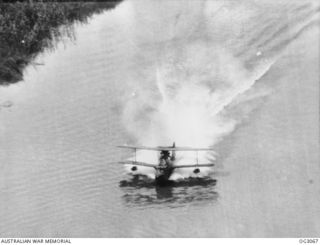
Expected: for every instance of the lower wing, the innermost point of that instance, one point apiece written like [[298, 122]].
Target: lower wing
[[194, 165], [139, 164]]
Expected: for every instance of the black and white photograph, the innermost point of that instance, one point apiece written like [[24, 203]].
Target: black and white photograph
[[159, 119]]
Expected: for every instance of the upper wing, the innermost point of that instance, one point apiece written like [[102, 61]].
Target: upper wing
[[194, 165], [157, 167], [139, 164], [163, 148]]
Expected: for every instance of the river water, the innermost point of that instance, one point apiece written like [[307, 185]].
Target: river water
[[139, 74]]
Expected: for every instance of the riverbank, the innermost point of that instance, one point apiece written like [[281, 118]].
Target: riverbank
[[27, 28]]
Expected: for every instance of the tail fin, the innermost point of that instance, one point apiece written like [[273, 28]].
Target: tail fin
[[173, 153]]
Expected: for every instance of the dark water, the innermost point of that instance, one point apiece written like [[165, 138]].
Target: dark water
[[142, 192], [58, 175]]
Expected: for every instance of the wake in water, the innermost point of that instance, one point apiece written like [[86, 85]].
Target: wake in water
[[193, 86]]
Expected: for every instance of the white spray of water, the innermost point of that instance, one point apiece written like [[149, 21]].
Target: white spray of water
[[194, 84], [185, 85]]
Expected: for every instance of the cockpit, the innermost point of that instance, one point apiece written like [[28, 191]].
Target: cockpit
[[164, 155]]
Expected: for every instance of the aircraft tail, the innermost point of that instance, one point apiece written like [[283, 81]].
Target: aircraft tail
[[173, 153]]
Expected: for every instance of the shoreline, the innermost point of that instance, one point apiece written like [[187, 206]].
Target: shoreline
[[28, 28]]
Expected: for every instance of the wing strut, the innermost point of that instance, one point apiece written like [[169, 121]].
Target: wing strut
[[135, 154], [197, 158]]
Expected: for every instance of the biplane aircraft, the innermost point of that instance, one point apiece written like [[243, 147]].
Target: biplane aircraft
[[166, 164]]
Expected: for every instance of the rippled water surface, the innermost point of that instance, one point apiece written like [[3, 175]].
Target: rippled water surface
[[59, 127]]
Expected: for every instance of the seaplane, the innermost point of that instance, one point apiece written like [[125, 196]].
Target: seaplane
[[166, 163]]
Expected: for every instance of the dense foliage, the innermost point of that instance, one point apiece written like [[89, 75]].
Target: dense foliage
[[26, 28]]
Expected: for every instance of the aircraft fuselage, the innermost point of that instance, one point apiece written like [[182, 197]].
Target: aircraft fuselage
[[163, 175], [165, 167]]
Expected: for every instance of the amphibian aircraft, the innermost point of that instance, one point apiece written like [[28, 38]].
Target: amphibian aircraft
[[166, 164]]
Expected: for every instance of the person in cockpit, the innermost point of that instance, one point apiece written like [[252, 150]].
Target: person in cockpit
[[165, 159]]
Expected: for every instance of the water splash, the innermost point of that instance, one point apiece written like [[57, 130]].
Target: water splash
[[190, 89]]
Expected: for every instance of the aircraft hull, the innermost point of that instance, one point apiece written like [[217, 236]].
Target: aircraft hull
[[163, 175]]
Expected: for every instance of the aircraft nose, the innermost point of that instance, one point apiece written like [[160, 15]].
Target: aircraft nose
[[134, 168], [196, 171]]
